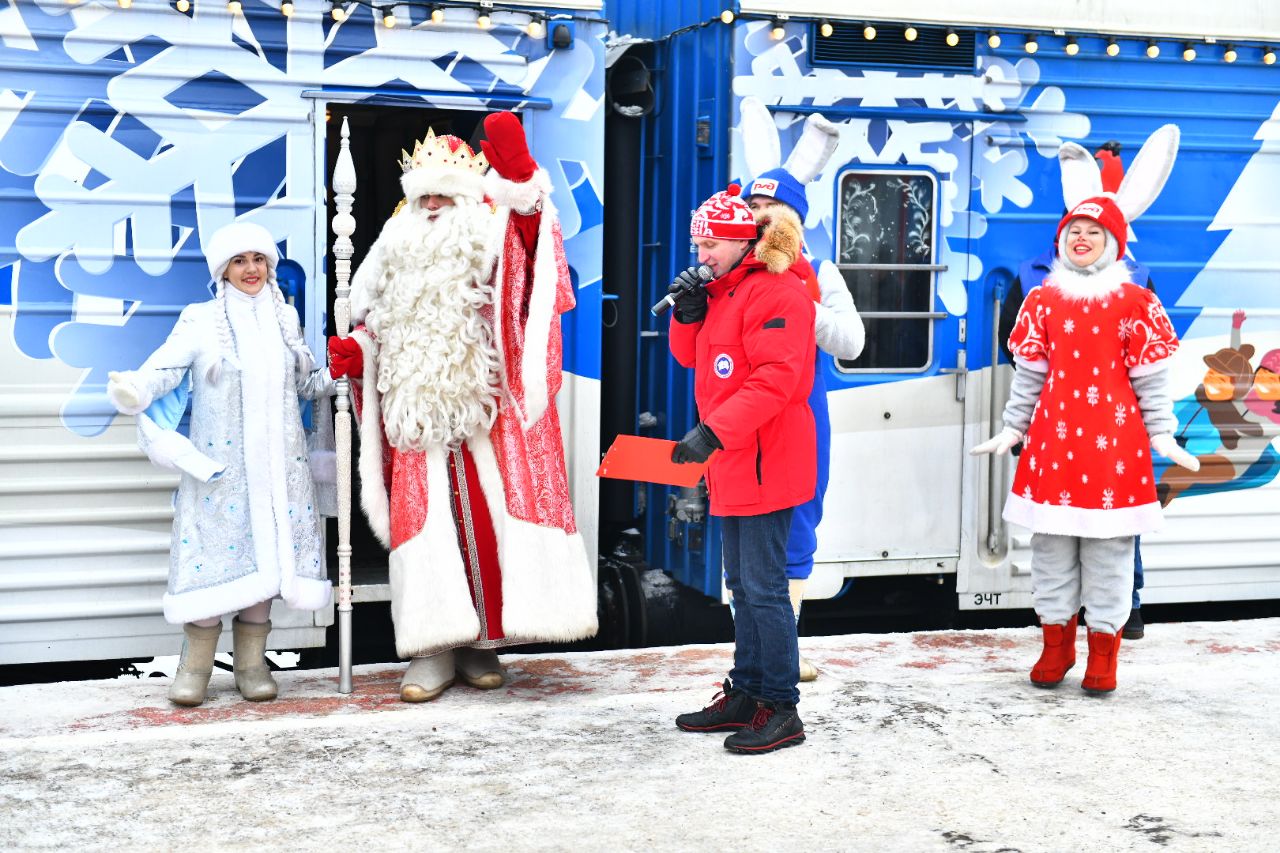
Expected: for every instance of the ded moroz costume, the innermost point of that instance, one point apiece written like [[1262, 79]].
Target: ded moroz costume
[[458, 363]]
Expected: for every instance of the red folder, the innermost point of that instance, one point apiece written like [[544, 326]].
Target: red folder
[[648, 460]]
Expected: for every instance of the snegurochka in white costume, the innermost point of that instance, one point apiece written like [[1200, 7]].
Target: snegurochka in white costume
[[246, 527], [454, 376]]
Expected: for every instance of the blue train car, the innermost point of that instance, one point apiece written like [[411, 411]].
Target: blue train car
[[943, 185], [129, 132]]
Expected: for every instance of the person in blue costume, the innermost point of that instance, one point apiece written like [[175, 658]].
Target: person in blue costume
[[839, 332]]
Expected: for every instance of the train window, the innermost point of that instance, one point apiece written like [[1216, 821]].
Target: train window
[[885, 248]]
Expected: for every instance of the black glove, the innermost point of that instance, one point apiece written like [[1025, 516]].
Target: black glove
[[691, 297], [696, 445]]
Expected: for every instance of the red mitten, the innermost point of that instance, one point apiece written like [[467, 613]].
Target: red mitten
[[506, 148], [345, 358]]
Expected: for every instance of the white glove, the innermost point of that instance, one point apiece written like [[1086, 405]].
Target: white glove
[[1168, 447], [124, 394], [998, 444]]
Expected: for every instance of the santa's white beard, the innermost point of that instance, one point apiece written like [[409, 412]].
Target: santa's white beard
[[437, 364]]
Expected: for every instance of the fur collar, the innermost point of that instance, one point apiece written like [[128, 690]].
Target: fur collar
[[1079, 284], [781, 238]]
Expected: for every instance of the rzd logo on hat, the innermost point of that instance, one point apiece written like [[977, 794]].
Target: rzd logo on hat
[[723, 365], [1089, 209], [764, 187]]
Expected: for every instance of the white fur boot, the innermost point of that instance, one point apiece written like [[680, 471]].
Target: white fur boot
[[479, 667], [253, 677], [795, 586], [190, 685], [427, 677]]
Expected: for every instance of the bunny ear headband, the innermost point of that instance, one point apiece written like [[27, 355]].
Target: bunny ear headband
[[1146, 177], [763, 149]]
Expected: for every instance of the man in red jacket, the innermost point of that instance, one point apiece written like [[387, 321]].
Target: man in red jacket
[[749, 336]]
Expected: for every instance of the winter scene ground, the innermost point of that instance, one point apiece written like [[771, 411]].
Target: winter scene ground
[[917, 742]]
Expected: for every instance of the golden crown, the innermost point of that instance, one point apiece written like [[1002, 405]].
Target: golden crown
[[448, 151]]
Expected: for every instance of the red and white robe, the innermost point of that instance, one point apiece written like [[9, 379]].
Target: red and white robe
[[484, 548]]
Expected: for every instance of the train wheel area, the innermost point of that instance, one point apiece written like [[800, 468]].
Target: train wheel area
[[916, 741]]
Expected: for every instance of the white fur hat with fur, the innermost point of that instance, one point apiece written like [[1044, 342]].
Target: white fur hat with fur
[[236, 239]]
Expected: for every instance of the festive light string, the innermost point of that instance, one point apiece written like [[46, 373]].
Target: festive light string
[[824, 27]]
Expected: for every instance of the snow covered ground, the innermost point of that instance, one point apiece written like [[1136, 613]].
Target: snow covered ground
[[917, 742]]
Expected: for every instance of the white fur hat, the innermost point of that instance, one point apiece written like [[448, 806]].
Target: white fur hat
[[235, 239]]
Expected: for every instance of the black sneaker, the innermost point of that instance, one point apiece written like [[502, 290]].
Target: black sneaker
[[774, 726], [729, 709], [1134, 629]]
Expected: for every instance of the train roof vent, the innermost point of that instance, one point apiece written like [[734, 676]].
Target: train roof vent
[[848, 46]]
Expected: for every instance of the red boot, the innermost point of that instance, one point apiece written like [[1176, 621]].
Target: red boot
[[1104, 653], [1059, 654]]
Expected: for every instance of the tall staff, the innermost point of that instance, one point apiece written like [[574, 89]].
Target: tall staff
[[344, 225]]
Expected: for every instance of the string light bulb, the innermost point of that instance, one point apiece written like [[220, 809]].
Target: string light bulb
[[183, 6], [337, 12], [1153, 50], [535, 28], [124, 4], [776, 29], [1188, 52], [953, 38], [483, 21], [993, 39], [286, 8], [727, 17], [1269, 56], [1072, 47], [437, 15], [825, 29], [1031, 45], [1229, 54], [1113, 47], [388, 16], [869, 33], [234, 7], [910, 33]]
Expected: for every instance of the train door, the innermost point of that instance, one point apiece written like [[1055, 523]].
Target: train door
[[897, 411]]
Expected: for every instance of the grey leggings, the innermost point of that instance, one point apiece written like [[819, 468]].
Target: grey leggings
[[1068, 571]]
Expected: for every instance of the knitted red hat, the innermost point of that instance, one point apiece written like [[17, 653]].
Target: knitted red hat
[[1103, 211], [724, 216]]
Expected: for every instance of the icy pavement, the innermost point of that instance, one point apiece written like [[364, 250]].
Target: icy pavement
[[917, 742]]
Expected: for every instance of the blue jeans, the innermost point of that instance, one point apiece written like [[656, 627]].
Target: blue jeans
[[766, 656], [1137, 570]]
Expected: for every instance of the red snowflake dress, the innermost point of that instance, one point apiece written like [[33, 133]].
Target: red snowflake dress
[[1085, 469]]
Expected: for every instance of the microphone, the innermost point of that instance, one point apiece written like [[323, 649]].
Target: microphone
[[667, 302]]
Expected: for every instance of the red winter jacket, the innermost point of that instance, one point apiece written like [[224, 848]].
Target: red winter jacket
[[754, 358]]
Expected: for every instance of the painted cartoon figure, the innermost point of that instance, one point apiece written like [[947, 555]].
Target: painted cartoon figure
[[1090, 399], [1241, 406]]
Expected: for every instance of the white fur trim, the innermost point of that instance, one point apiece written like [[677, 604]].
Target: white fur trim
[[237, 238], [431, 603], [306, 593], [1088, 286], [441, 180], [1079, 521], [521, 197], [215, 601], [373, 491], [548, 591]]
